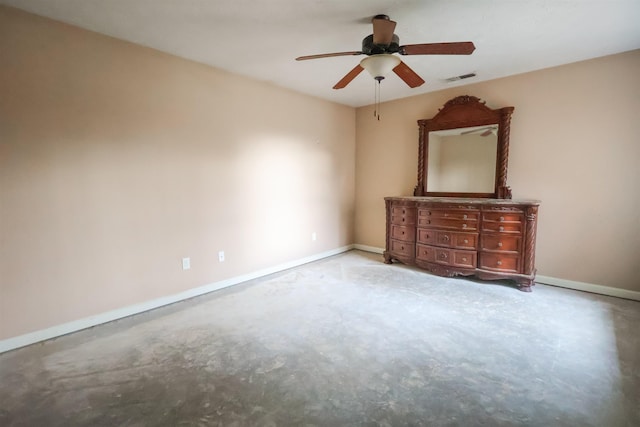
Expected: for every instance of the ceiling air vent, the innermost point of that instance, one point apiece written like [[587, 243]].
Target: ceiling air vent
[[462, 77]]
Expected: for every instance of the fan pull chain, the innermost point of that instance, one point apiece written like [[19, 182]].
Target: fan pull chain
[[378, 87], [375, 100], [376, 109]]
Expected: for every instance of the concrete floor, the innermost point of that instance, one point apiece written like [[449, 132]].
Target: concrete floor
[[346, 341]]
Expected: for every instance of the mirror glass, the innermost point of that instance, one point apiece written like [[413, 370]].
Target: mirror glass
[[463, 160]]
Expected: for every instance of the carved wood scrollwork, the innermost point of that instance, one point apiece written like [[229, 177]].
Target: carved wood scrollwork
[[530, 240], [461, 100], [443, 271], [422, 157]]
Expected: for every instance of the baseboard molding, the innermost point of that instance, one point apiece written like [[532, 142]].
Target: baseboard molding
[[88, 322], [589, 287], [554, 281], [366, 248]]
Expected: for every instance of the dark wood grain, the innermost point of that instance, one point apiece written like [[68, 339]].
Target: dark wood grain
[[410, 77], [442, 237], [451, 48], [350, 76]]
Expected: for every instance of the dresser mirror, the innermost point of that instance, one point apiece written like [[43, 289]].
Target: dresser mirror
[[463, 160], [463, 151]]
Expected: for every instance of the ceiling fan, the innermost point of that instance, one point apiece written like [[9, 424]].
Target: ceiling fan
[[380, 47]]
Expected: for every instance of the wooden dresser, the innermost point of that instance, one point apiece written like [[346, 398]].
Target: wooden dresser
[[487, 238]]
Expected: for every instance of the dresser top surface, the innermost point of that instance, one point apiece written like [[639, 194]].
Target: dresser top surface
[[459, 200]]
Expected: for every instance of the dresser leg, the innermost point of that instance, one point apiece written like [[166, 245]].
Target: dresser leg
[[387, 258], [525, 285]]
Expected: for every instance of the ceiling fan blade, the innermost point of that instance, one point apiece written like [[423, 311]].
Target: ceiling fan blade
[[408, 75], [350, 76], [383, 29], [456, 48], [328, 55]]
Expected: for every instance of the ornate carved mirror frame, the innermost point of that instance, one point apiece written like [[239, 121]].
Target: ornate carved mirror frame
[[463, 112]]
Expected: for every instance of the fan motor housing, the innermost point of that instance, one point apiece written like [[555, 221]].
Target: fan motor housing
[[370, 48]]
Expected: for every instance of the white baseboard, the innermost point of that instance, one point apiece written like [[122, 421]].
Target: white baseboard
[[589, 287], [88, 322], [554, 281], [366, 248]]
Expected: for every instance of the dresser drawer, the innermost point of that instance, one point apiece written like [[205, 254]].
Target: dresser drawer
[[425, 253], [446, 256], [400, 247], [465, 240], [451, 214], [503, 216], [502, 227], [500, 242], [464, 259], [448, 239], [500, 262], [456, 258], [401, 232], [403, 215], [449, 223]]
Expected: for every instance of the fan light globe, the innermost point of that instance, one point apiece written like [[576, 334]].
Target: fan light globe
[[380, 65]]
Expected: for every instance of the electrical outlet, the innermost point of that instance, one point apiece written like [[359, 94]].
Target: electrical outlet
[[221, 256], [186, 263], [314, 236]]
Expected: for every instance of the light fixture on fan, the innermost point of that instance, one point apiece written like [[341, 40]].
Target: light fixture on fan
[[380, 65]]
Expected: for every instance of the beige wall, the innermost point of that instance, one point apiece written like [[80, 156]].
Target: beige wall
[[574, 145], [117, 161]]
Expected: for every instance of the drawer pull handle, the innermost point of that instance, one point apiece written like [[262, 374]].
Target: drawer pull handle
[[465, 216], [402, 219], [501, 228], [443, 255], [402, 248], [404, 211], [445, 238], [501, 218], [466, 240], [464, 225], [499, 244], [499, 263], [464, 259], [428, 221], [446, 214]]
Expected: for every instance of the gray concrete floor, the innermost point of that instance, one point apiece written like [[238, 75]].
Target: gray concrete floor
[[346, 341]]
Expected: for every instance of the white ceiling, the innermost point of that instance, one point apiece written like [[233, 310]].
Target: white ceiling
[[260, 39]]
